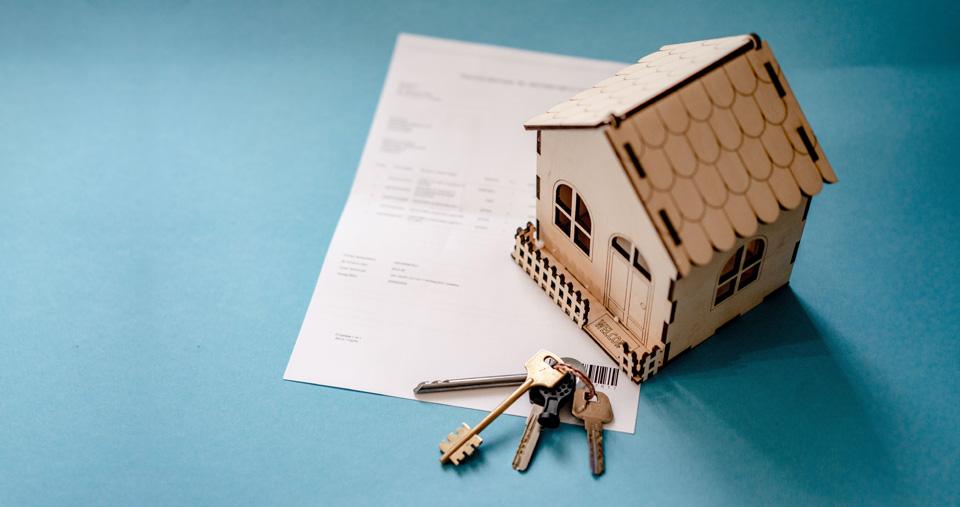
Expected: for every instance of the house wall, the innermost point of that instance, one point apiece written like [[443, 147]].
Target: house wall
[[584, 159], [696, 318]]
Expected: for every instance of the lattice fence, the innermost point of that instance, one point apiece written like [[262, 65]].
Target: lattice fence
[[544, 270]]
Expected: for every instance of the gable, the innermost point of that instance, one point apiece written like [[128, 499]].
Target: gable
[[720, 155], [582, 159]]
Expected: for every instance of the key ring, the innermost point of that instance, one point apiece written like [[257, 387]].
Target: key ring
[[566, 368]]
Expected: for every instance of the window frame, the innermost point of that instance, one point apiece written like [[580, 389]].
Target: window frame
[[728, 285], [576, 225], [632, 255]]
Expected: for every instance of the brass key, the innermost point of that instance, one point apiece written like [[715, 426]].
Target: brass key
[[540, 372], [594, 414]]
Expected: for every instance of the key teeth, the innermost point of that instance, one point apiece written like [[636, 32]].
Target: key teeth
[[465, 450], [598, 453]]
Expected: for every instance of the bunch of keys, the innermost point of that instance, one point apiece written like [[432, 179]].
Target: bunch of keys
[[552, 384]]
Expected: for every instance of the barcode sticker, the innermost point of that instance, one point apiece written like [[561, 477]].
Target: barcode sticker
[[603, 375]]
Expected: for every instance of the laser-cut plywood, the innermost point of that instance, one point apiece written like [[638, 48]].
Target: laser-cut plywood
[[639, 360], [637, 84], [714, 144]]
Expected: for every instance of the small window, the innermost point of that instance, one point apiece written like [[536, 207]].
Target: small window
[[740, 270], [640, 264], [724, 291], [583, 216], [576, 226], [732, 266], [754, 252], [632, 255], [582, 240], [622, 247], [748, 276], [565, 198], [562, 220]]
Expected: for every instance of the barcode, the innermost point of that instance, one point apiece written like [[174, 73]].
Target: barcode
[[603, 375]]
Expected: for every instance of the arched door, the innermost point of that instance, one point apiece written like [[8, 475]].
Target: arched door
[[628, 286]]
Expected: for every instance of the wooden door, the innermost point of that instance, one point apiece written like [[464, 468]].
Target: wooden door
[[628, 286], [618, 284], [637, 306]]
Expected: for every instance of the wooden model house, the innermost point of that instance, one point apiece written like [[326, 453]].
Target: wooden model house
[[671, 197]]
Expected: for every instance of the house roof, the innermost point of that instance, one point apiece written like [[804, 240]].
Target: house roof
[[721, 148], [634, 86]]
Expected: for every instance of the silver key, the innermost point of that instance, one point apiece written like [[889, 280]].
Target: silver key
[[594, 414], [529, 439], [546, 406], [463, 384]]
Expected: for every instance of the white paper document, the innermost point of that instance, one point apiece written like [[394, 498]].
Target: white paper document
[[418, 283]]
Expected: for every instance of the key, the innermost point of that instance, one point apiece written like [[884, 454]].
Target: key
[[464, 441], [594, 414], [464, 384], [545, 405], [529, 439]]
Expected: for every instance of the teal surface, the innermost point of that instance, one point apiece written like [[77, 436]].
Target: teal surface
[[171, 174]]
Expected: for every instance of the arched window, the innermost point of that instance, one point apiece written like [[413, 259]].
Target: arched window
[[571, 216], [742, 269]]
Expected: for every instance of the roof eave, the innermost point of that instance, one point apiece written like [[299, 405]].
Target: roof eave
[[564, 127]]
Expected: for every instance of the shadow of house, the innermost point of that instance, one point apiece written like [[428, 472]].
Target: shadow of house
[[767, 400]]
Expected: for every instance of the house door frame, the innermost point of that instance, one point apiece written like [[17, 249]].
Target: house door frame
[[627, 276]]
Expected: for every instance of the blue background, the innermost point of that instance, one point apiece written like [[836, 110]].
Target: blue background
[[171, 174]]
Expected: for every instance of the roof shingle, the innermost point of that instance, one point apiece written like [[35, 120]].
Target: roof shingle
[[645, 80], [723, 154]]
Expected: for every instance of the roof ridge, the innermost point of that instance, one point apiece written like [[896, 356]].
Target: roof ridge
[[643, 83], [754, 43]]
